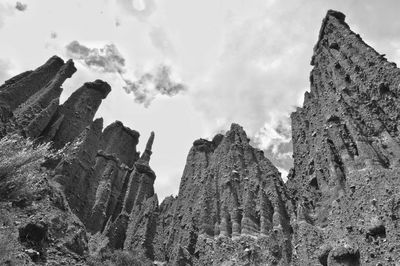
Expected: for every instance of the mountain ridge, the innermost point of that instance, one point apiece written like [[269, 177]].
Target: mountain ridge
[[340, 205]]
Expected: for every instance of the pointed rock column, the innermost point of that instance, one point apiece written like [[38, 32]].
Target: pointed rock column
[[113, 170], [75, 172], [79, 110], [140, 188], [17, 90], [36, 113]]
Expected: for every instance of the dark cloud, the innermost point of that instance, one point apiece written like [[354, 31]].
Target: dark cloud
[[107, 59], [141, 9], [149, 85], [20, 6]]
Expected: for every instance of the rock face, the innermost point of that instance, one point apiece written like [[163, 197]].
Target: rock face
[[231, 200], [101, 174], [346, 154], [340, 205]]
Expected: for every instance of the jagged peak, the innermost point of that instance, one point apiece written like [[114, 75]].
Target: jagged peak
[[118, 124], [337, 14], [331, 14], [235, 131], [203, 145], [53, 62], [54, 59], [150, 141], [147, 152], [68, 68], [100, 86], [217, 139]]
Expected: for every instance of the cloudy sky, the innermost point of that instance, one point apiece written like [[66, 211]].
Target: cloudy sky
[[189, 68]]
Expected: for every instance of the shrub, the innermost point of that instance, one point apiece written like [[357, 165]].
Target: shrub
[[21, 173]]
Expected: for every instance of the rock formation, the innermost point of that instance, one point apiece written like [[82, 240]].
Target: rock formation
[[346, 154], [340, 205], [101, 174], [231, 201]]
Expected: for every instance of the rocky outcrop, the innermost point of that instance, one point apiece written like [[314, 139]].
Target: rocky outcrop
[[78, 111], [19, 89], [105, 181], [229, 194], [346, 153], [340, 205], [29, 100]]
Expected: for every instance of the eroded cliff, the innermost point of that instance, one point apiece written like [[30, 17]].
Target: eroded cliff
[[346, 154], [98, 177], [75, 184]]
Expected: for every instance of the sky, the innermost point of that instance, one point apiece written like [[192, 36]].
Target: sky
[[187, 69]]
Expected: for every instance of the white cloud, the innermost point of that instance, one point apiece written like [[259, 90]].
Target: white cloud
[[257, 82], [5, 66], [284, 173], [6, 10], [263, 68]]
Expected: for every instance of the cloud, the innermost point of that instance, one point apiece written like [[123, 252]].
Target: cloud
[[257, 80], [158, 82], [107, 59], [4, 70], [6, 10], [160, 40], [141, 9], [274, 138], [263, 67], [261, 74], [20, 6]]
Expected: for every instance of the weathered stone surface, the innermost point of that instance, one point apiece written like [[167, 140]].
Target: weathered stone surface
[[340, 206], [229, 190], [75, 170], [79, 110], [32, 92], [346, 153], [41, 120], [18, 89], [100, 175], [142, 227], [118, 145], [121, 141], [129, 208]]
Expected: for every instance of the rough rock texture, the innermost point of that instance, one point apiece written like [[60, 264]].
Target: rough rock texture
[[103, 183], [340, 205], [19, 89], [29, 100], [231, 202], [346, 154], [78, 111]]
